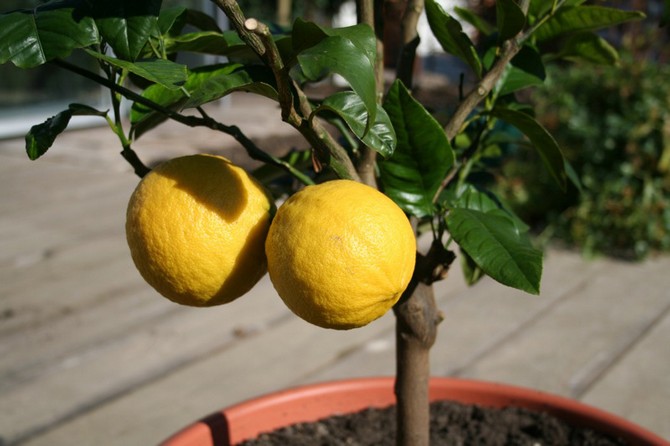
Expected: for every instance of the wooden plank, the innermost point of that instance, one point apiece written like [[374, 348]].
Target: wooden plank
[[272, 360], [477, 320], [553, 353], [106, 351], [637, 386]]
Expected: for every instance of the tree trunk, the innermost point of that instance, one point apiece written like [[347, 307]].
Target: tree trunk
[[417, 318]]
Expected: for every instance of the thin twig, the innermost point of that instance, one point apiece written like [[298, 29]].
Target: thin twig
[[260, 40], [251, 148], [368, 156]]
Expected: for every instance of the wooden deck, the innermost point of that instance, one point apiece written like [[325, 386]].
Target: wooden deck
[[90, 355]]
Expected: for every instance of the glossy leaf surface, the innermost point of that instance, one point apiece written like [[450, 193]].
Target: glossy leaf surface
[[584, 18], [350, 107], [449, 32], [495, 245], [423, 156]]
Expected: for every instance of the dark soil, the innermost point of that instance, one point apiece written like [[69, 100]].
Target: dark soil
[[451, 424]]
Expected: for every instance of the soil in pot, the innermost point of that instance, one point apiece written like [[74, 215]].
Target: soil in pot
[[451, 424]]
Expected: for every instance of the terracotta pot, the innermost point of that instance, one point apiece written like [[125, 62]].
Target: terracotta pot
[[309, 403]]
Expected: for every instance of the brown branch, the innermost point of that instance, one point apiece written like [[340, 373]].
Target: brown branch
[[258, 37], [368, 156], [410, 42]]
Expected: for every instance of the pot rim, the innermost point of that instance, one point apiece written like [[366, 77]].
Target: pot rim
[[314, 401]]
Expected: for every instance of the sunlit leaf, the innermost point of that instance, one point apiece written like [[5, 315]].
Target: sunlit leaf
[[497, 247], [33, 37], [204, 84], [161, 71], [584, 18], [349, 106], [449, 33], [423, 156], [339, 55]]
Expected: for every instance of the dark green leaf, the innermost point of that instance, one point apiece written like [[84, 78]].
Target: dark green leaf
[[590, 47], [349, 106], [126, 25], [472, 273], [540, 8], [307, 34], [42, 136], [209, 86], [470, 197], [510, 19], [475, 20], [525, 70], [496, 246], [210, 42], [665, 15], [32, 38], [423, 156], [161, 71], [337, 54], [85, 110], [584, 18], [541, 139], [172, 20], [448, 31], [204, 84]]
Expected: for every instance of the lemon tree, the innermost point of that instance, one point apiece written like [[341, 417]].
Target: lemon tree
[[432, 169], [196, 228]]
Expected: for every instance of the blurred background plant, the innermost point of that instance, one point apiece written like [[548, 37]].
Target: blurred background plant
[[613, 124]]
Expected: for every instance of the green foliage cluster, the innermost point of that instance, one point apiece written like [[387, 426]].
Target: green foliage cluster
[[426, 168], [613, 124]]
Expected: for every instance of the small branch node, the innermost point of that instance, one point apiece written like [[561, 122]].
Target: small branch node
[[251, 24]]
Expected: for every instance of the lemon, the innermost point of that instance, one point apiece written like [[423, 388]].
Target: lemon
[[340, 254], [196, 228]]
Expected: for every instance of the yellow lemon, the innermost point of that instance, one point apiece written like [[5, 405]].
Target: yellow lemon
[[196, 228], [340, 254]]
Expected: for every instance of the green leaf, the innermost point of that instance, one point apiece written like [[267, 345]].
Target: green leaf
[[209, 86], [172, 20], [495, 245], [583, 18], [525, 70], [42, 136], [204, 84], [448, 31], [337, 54], [32, 38], [161, 71], [475, 20], [541, 139], [589, 47], [307, 34], [423, 156], [207, 42], [126, 25], [472, 273], [473, 198], [349, 106], [510, 19]]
